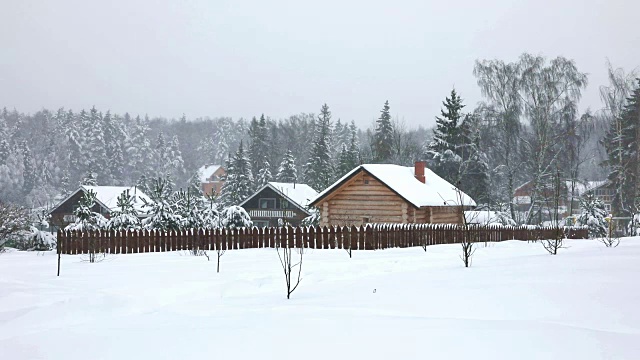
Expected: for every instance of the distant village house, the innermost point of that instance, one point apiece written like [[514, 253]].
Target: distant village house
[[211, 179], [106, 201], [279, 202]]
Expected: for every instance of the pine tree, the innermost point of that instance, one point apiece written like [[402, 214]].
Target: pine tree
[[29, 170], [195, 186], [89, 179], [114, 136], [264, 175], [138, 150], [593, 215], [211, 215], [175, 159], [239, 182], [189, 207], [319, 168], [86, 218], [161, 211], [287, 172], [383, 136], [125, 217]]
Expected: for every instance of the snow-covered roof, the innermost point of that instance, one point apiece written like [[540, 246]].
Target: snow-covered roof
[[301, 194], [206, 171], [107, 196], [581, 187], [435, 191]]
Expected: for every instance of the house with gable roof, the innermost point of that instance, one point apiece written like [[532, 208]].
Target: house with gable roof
[[276, 201], [386, 193], [106, 201], [211, 178]]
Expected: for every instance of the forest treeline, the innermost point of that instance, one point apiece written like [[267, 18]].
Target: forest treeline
[[527, 127]]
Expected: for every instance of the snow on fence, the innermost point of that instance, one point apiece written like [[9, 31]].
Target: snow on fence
[[369, 237]]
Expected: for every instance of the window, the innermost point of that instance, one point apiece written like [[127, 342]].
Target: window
[[365, 220], [366, 182], [284, 204], [267, 203]]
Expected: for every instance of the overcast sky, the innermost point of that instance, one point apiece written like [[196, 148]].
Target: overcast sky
[[242, 58]]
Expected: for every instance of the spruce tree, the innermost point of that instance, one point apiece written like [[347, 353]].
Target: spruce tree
[[258, 151], [287, 172], [5, 149], [446, 135], [161, 211], [239, 182], [29, 170], [319, 170], [125, 217], [593, 214], [95, 145], [443, 152], [344, 161], [383, 136], [264, 175]]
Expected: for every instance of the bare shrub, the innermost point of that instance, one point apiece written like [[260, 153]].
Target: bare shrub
[[289, 265]]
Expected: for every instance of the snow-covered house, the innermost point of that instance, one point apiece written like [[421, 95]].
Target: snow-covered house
[[211, 178], [569, 190], [106, 201], [385, 193], [279, 202]]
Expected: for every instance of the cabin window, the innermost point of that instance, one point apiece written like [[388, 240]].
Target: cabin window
[[366, 182], [284, 204], [365, 220], [267, 203]]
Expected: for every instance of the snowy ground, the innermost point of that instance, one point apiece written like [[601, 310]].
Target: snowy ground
[[516, 302]]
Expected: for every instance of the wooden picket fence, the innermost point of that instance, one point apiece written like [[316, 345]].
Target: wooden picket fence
[[369, 237]]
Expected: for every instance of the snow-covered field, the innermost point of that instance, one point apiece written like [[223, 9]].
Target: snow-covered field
[[516, 302]]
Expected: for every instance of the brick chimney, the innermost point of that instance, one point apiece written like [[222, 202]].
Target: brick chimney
[[419, 170]]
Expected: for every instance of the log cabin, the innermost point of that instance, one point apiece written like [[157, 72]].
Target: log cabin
[[279, 201], [386, 193]]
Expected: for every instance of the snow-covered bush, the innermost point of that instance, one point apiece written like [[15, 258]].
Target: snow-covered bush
[[235, 217], [125, 217], [503, 216], [14, 223], [35, 240], [593, 216]]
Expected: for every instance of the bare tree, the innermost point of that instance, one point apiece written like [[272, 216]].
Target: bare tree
[[219, 250], [289, 265], [554, 244]]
